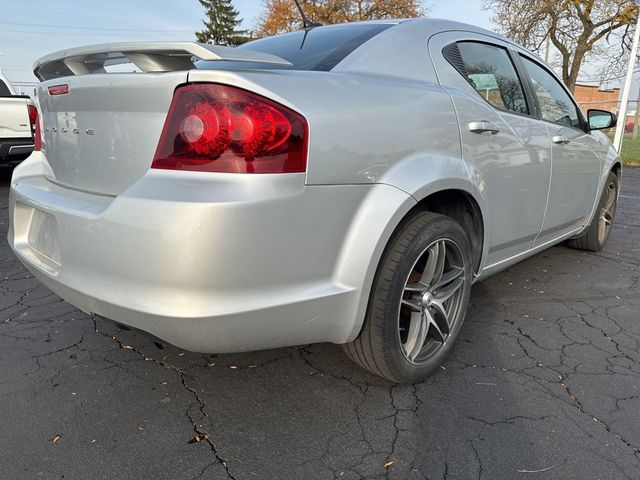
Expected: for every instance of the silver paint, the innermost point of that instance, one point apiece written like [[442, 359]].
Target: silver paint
[[229, 262]]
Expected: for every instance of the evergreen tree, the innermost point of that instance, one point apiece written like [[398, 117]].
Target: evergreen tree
[[220, 24]]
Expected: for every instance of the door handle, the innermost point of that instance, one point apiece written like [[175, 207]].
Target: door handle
[[560, 140], [483, 126]]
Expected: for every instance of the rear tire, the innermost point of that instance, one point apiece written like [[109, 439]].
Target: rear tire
[[418, 300], [597, 233]]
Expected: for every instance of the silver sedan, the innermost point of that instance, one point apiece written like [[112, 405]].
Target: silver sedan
[[342, 184]]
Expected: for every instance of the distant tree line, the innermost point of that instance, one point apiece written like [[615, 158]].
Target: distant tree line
[[221, 23], [577, 29], [281, 16]]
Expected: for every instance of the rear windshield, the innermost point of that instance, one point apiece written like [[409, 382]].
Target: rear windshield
[[320, 48]]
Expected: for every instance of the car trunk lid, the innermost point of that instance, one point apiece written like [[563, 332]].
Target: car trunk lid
[[101, 126], [102, 134]]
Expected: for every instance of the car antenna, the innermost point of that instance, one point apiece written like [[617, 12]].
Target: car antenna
[[306, 23]]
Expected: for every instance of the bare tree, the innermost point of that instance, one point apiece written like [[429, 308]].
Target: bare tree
[[577, 28]]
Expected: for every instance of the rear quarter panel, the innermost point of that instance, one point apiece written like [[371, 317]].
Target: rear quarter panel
[[361, 126]]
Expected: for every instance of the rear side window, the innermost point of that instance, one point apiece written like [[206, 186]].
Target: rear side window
[[489, 69], [555, 103], [320, 48], [4, 90]]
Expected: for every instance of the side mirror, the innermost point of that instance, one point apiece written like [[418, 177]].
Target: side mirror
[[601, 119]]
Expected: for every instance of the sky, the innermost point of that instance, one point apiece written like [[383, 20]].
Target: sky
[[30, 29]]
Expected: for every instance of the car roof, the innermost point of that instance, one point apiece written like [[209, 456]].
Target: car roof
[[432, 25]]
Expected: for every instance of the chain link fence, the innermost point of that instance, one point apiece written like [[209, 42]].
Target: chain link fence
[[630, 151], [25, 88]]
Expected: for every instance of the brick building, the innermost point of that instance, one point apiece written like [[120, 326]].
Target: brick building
[[591, 96]]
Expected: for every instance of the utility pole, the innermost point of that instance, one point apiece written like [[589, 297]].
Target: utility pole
[[622, 114], [636, 121]]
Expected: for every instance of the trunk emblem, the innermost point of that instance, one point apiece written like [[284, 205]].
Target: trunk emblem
[[75, 131]]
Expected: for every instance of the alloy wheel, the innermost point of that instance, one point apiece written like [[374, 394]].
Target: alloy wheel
[[607, 212], [432, 301]]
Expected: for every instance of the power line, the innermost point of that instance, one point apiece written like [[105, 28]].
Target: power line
[[45, 25], [106, 34], [593, 79]]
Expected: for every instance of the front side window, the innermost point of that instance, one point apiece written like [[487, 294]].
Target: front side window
[[555, 103], [490, 71]]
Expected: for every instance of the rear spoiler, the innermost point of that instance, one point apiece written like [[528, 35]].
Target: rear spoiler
[[147, 56]]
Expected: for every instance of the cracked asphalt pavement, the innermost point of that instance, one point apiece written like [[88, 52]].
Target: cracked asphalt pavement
[[544, 383]]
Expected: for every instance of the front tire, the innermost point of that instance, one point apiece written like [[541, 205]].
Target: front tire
[[418, 300], [595, 237]]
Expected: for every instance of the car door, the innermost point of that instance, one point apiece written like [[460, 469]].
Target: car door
[[576, 156], [505, 146]]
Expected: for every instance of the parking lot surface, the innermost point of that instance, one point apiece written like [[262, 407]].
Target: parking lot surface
[[544, 383]]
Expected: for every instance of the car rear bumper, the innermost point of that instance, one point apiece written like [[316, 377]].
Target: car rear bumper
[[14, 150], [208, 262]]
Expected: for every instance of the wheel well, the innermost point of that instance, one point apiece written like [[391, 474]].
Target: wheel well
[[463, 208], [617, 168]]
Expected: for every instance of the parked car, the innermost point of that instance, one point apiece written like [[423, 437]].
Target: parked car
[[17, 125], [342, 184]]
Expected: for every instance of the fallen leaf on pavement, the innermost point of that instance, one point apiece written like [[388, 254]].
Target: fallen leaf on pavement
[[198, 438], [56, 439], [388, 464]]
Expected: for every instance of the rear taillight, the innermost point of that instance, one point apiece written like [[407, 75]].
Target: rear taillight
[[218, 128], [35, 127]]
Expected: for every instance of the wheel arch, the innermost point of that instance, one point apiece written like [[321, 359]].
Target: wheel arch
[[617, 169], [462, 207], [455, 198]]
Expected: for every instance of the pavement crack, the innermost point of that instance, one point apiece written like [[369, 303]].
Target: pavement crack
[[578, 404], [202, 435], [478, 459], [563, 381]]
